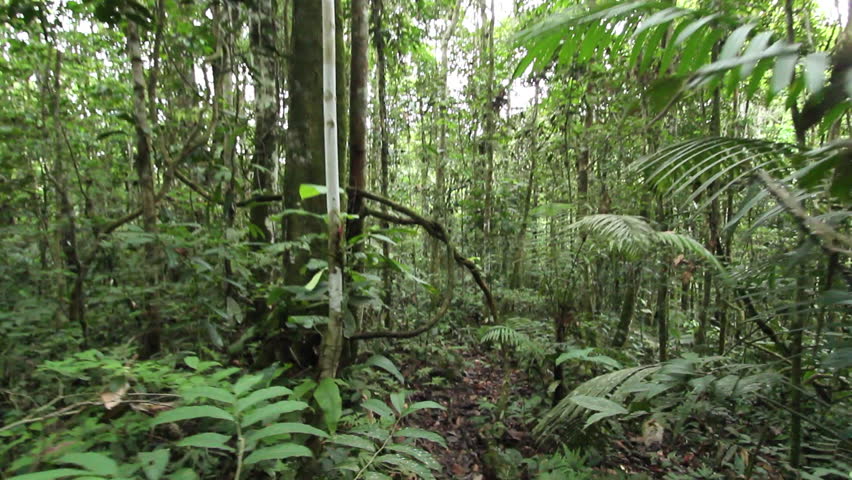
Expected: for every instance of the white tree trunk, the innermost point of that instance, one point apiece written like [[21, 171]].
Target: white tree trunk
[[332, 341]]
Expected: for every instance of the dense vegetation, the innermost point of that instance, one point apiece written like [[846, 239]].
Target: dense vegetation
[[579, 239]]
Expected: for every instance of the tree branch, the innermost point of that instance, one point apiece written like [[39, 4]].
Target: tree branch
[[434, 229]]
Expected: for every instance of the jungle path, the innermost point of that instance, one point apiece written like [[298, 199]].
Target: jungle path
[[471, 403]]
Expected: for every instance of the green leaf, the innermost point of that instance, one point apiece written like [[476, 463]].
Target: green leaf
[[154, 463], [307, 190], [191, 362], [398, 401], [328, 398], [314, 281], [189, 413], [598, 404], [693, 27], [213, 393], [96, 463], [428, 404], [278, 452], [782, 74], [418, 454], [207, 440], [735, 41], [816, 65], [385, 364], [284, 428], [598, 417], [50, 474], [272, 411], [379, 407], [406, 465], [353, 442], [261, 395], [246, 383], [410, 432]]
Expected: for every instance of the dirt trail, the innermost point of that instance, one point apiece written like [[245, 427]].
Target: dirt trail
[[468, 446]]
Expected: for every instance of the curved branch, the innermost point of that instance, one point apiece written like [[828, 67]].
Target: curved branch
[[436, 317], [434, 229]]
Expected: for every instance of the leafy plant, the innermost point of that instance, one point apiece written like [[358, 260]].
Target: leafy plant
[[374, 452]]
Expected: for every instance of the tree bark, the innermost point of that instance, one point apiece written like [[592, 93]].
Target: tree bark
[[263, 49], [304, 135], [358, 117], [384, 148], [143, 165], [332, 340]]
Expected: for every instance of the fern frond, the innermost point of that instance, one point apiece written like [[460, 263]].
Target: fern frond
[[623, 232], [504, 336], [569, 416]]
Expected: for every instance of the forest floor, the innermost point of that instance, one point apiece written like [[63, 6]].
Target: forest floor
[[463, 424]]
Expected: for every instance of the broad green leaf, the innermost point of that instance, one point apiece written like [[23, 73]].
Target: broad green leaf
[[598, 404], [407, 465], [278, 452], [418, 454], [782, 74], [183, 474], [213, 393], [379, 407], [398, 401], [284, 428], [273, 411], [385, 364], [307, 190], [428, 404], [376, 476], [816, 66], [693, 27], [207, 440], [246, 383], [758, 44], [261, 395], [314, 281], [410, 432], [191, 362], [96, 463], [735, 41], [154, 463], [598, 417], [328, 398], [189, 413], [50, 474], [354, 442]]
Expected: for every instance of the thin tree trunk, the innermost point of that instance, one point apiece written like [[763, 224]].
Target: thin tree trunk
[[628, 308], [358, 117], [332, 340], [796, 352], [263, 48], [66, 220], [384, 149], [145, 176], [518, 258]]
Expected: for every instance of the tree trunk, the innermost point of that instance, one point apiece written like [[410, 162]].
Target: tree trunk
[[304, 135], [628, 307], [384, 149], [145, 176], [66, 221], [263, 49], [358, 117]]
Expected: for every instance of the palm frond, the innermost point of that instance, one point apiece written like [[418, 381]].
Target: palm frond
[[568, 416], [642, 27]]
